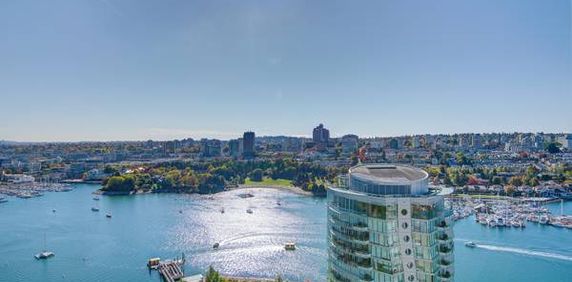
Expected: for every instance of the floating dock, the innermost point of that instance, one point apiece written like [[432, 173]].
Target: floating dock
[[171, 271]]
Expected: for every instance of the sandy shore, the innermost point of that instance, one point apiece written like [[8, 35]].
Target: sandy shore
[[292, 189]]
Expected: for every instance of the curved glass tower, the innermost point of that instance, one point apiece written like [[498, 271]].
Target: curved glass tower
[[385, 225]]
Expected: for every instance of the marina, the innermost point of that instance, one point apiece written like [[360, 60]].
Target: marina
[[508, 213], [32, 189]]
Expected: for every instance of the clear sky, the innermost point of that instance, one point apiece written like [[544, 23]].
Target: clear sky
[[138, 69]]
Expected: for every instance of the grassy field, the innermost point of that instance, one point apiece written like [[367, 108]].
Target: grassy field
[[270, 182]]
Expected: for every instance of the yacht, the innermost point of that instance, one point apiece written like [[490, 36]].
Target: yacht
[[470, 244]]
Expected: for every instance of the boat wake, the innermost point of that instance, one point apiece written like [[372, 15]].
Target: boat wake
[[524, 252]]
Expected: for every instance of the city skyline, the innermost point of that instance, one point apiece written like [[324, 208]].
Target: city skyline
[[137, 70]]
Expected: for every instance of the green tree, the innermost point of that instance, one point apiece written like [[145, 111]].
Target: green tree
[[256, 175], [552, 147], [213, 276]]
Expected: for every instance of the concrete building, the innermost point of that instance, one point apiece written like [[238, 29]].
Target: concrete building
[[320, 134], [248, 144], [385, 225], [349, 143], [234, 148]]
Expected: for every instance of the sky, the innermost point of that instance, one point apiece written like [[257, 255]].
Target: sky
[[89, 70]]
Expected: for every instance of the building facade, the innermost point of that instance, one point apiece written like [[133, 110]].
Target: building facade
[[385, 225], [248, 144]]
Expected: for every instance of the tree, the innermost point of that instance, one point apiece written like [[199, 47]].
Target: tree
[[256, 175], [552, 147], [213, 276], [516, 181]]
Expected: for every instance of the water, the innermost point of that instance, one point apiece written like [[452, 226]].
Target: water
[[91, 247]]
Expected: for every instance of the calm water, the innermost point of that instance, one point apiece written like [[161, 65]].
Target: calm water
[[90, 247]]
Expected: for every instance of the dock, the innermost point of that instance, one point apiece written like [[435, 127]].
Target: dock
[[171, 271]]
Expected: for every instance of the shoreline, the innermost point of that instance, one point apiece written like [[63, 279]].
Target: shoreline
[[291, 189]]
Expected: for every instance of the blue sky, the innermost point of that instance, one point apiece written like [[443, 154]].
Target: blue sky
[[138, 69]]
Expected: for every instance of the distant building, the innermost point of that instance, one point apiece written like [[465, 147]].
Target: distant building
[[385, 225], [234, 148], [248, 144], [321, 135], [18, 178], [349, 143], [476, 142], [566, 141], [210, 148], [394, 144]]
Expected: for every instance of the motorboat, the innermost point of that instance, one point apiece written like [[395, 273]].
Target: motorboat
[[44, 255], [108, 215], [290, 246], [94, 209], [470, 244]]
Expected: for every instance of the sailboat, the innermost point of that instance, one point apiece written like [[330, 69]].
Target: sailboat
[[44, 254], [95, 209]]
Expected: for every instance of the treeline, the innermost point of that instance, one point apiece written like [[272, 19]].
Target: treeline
[[214, 176]]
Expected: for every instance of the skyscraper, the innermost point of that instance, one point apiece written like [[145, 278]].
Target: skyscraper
[[321, 134], [248, 144], [385, 225]]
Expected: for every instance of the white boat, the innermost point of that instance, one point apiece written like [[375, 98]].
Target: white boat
[[108, 215], [470, 244], [290, 246], [44, 255]]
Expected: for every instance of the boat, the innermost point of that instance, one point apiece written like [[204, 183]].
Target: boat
[[216, 245], [290, 246], [180, 211], [44, 255], [3, 200], [54, 210], [108, 215], [221, 210], [470, 244], [96, 198], [249, 211], [94, 209], [153, 263]]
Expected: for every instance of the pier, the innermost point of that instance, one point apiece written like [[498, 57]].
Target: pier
[[170, 271]]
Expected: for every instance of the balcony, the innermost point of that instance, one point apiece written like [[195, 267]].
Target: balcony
[[443, 224], [444, 262], [445, 275], [445, 249]]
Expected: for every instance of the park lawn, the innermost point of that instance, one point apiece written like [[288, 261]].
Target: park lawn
[[269, 181]]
